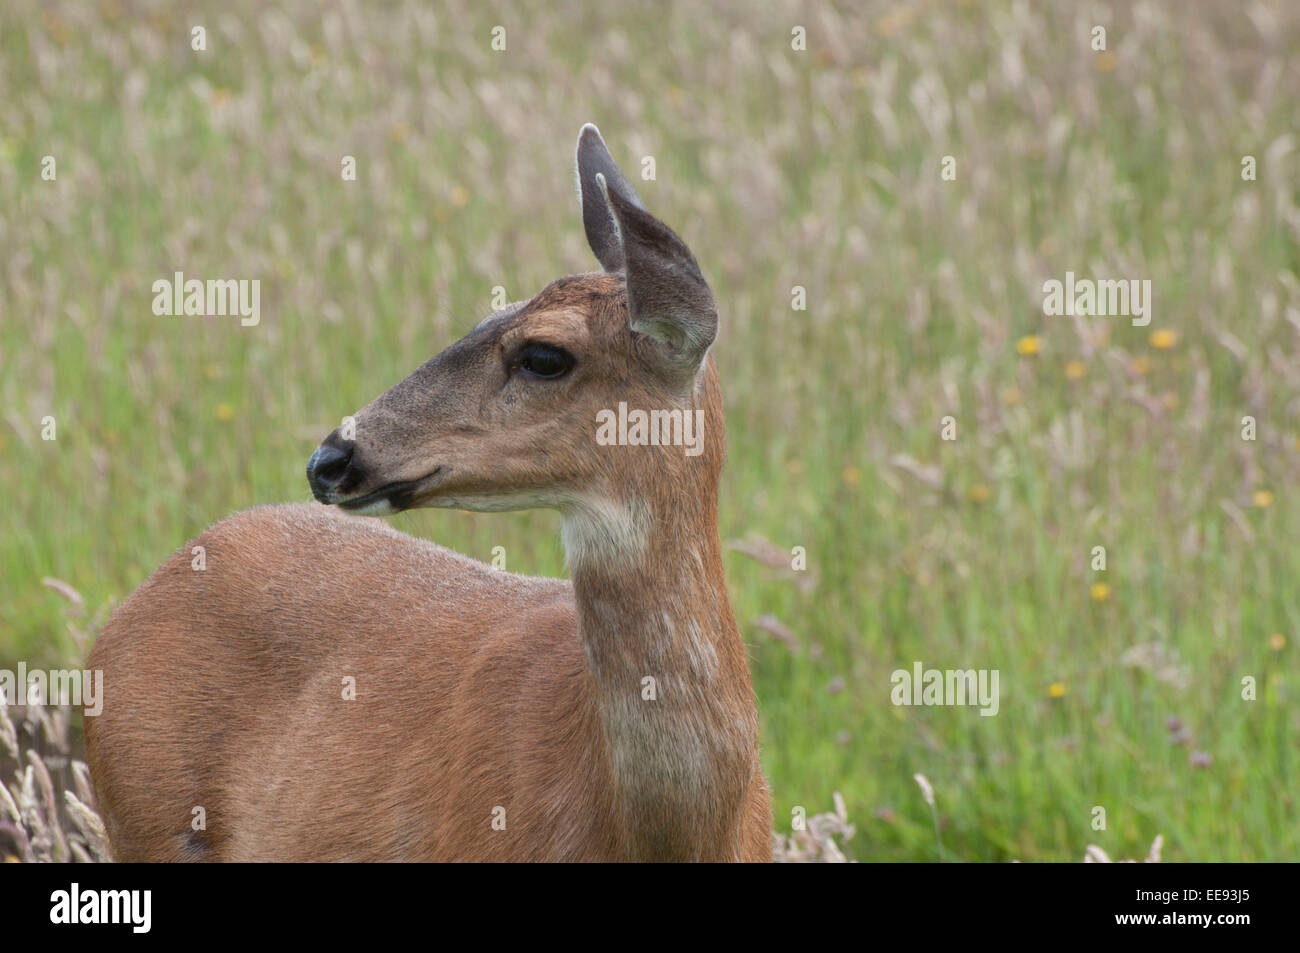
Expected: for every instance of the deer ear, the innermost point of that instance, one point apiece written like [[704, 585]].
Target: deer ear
[[667, 296], [602, 233]]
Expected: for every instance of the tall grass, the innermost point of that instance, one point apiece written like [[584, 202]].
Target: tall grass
[[817, 168]]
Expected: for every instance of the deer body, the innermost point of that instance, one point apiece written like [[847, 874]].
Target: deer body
[[327, 688]]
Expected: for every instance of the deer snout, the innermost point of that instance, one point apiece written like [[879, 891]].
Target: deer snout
[[330, 471]]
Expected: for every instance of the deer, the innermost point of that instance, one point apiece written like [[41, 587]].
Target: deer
[[323, 687]]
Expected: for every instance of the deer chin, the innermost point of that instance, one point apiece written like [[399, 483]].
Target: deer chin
[[391, 497], [436, 491], [492, 501]]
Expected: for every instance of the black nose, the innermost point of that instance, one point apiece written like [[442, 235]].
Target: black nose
[[327, 470]]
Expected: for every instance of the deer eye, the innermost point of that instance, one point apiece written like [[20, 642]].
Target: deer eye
[[543, 360]]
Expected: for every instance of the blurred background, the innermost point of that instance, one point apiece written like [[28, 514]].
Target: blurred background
[[781, 167]]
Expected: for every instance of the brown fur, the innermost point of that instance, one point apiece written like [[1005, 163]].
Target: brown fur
[[450, 721]]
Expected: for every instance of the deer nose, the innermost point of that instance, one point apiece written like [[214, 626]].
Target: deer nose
[[327, 469]]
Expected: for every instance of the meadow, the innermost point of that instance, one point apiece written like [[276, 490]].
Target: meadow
[[811, 177]]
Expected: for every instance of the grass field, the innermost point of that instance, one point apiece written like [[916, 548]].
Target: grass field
[[819, 168]]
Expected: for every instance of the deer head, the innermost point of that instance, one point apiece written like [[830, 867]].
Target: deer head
[[511, 416]]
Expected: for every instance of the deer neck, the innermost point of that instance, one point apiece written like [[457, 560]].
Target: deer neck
[[668, 670]]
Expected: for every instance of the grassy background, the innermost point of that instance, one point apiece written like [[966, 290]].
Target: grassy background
[[818, 168]]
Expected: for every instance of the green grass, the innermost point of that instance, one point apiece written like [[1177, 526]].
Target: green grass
[[780, 168]]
